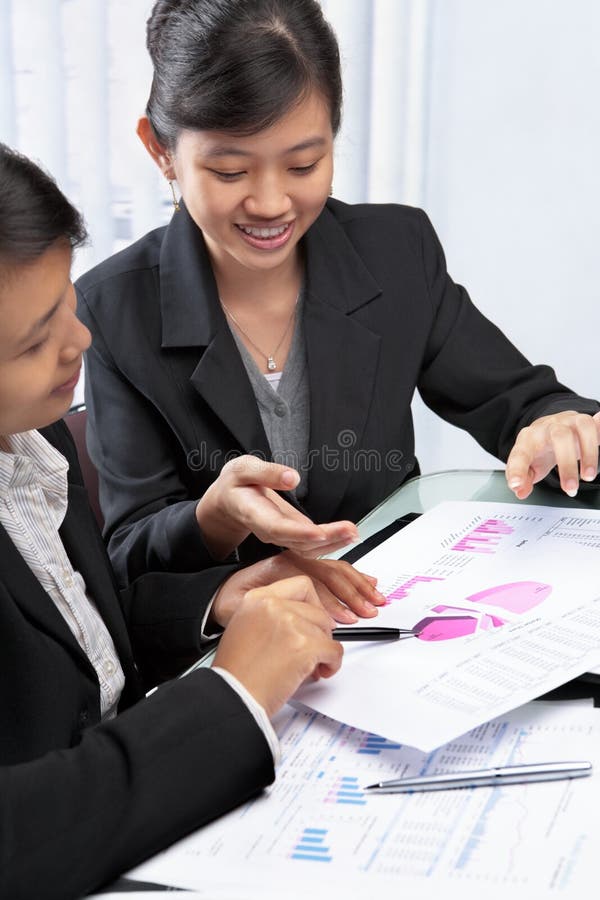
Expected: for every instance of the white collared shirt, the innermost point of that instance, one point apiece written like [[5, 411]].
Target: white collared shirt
[[33, 504]]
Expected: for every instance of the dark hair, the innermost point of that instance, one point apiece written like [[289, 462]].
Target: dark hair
[[34, 213], [237, 65]]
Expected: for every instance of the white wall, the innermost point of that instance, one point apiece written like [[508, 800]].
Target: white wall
[[513, 180]]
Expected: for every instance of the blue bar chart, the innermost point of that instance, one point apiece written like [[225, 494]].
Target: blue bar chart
[[373, 745], [311, 846], [346, 790]]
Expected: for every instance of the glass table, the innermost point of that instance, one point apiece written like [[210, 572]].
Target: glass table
[[425, 491]]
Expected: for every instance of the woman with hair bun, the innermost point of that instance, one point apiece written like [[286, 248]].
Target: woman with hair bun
[[254, 362]]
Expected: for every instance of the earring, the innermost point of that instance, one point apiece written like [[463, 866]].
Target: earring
[[331, 190], [176, 206]]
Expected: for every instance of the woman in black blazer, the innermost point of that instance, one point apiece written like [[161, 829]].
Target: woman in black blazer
[[260, 272], [89, 788]]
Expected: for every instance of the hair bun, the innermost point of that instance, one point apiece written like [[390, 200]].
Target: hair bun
[[162, 12]]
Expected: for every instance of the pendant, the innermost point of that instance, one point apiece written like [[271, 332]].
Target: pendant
[[271, 364]]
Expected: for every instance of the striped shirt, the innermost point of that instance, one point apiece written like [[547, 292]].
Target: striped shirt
[[33, 504]]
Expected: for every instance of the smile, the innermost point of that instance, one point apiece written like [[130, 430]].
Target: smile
[[264, 232], [266, 237]]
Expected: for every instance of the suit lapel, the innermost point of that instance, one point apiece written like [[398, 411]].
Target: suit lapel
[[80, 536], [33, 600], [192, 317], [342, 360], [342, 353]]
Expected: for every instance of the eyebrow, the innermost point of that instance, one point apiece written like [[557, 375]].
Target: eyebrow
[[43, 320], [225, 150]]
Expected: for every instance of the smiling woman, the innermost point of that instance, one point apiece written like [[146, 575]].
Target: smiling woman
[[254, 197], [271, 320]]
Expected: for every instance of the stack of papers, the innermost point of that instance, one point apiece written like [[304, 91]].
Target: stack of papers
[[316, 833], [506, 600]]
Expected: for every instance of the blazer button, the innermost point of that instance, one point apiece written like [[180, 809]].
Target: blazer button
[[280, 410]]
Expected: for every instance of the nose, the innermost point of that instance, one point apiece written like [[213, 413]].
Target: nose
[[268, 198], [77, 339]]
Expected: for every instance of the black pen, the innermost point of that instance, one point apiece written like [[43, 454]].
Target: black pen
[[371, 633]]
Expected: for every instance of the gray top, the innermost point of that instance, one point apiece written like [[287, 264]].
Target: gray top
[[285, 412]]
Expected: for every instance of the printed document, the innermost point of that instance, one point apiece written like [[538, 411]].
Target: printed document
[[316, 832], [506, 603]]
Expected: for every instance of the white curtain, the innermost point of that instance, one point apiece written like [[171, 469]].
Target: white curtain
[[485, 114]]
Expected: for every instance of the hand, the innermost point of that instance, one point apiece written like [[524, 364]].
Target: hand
[[278, 637], [558, 440], [341, 590], [243, 500]]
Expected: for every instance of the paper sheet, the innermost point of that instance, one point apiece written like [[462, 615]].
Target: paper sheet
[[316, 833], [508, 603]]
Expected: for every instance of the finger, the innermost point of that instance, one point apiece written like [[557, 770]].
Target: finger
[[566, 451], [329, 668], [276, 524], [298, 588], [587, 436], [341, 531], [347, 607], [378, 598], [249, 469], [356, 591], [518, 473], [314, 551], [328, 660]]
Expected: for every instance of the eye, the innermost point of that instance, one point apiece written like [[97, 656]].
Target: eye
[[304, 170], [35, 348], [226, 176]]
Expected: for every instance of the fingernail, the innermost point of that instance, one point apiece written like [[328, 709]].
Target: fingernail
[[571, 488], [351, 618], [514, 483], [289, 478], [589, 474], [381, 597]]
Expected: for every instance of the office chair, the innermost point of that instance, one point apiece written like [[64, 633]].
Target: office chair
[[76, 420]]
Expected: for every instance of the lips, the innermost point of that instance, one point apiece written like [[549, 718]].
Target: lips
[[266, 237], [68, 385]]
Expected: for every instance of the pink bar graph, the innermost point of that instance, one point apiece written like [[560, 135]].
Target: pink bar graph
[[403, 590], [485, 538]]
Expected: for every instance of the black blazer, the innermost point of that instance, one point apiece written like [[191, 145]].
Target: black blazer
[[81, 802], [168, 396]]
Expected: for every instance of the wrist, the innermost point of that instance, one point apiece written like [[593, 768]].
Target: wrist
[[220, 534]]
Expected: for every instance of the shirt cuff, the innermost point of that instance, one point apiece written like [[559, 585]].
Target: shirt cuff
[[217, 631], [259, 714]]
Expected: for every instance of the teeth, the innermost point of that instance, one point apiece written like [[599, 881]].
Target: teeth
[[264, 232]]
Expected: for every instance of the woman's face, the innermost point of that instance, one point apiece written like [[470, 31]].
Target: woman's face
[[41, 342], [254, 197]]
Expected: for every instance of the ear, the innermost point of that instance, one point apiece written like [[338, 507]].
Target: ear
[[161, 156]]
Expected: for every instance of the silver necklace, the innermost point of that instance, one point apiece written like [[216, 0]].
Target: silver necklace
[[270, 357]]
